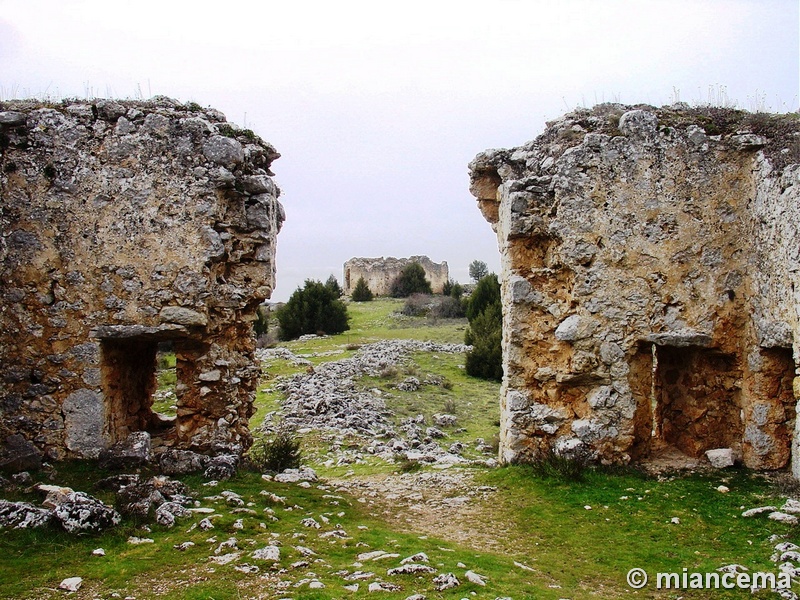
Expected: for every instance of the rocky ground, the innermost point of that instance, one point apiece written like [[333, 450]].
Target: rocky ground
[[329, 398]]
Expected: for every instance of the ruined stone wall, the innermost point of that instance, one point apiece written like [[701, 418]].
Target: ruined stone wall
[[649, 262], [379, 273], [126, 224]]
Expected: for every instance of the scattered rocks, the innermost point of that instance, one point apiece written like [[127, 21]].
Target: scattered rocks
[[329, 398]]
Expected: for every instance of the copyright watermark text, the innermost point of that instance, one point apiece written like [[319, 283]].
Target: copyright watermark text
[[715, 580]]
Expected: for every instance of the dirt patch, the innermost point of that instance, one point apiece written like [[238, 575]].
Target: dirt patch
[[447, 504]]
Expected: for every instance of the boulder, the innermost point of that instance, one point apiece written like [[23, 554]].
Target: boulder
[[721, 457], [71, 584], [222, 466], [181, 462], [445, 581], [167, 513], [80, 513], [18, 454], [268, 553], [142, 499], [133, 451], [23, 515], [296, 475], [54, 494]]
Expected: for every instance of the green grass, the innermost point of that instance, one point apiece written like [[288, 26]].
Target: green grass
[[629, 525]]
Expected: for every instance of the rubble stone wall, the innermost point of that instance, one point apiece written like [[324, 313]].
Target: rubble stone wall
[[649, 263], [126, 224], [379, 273]]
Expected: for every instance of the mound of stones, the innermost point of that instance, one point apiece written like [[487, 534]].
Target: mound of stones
[[330, 398]]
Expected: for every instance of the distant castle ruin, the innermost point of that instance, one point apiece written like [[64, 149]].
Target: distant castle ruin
[[126, 225], [650, 290], [379, 273]]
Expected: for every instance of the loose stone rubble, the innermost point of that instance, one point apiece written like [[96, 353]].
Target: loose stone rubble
[[649, 263], [329, 398], [127, 227]]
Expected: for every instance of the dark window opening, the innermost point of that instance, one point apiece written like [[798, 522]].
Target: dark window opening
[[129, 386], [165, 400], [688, 399]]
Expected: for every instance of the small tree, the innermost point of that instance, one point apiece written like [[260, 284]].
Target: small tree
[[485, 334], [485, 331], [485, 293], [261, 324], [313, 309], [478, 270], [333, 285], [410, 281], [361, 293], [447, 287]]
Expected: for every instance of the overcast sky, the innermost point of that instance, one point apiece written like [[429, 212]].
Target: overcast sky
[[377, 107]]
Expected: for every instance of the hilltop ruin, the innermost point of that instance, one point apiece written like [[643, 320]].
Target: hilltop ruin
[[379, 273], [649, 268], [126, 225]]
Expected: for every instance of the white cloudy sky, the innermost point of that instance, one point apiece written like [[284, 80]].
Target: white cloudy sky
[[377, 107]]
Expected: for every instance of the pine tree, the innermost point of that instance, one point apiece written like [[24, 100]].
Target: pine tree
[[410, 281], [313, 309], [361, 293], [485, 331]]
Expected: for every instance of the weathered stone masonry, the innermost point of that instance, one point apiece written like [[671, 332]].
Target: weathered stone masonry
[[649, 267], [380, 273], [126, 224]]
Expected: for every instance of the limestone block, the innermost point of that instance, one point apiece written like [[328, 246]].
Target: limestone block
[[182, 316], [721, 457], [84, 418], [223, 151], [575, 328]]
